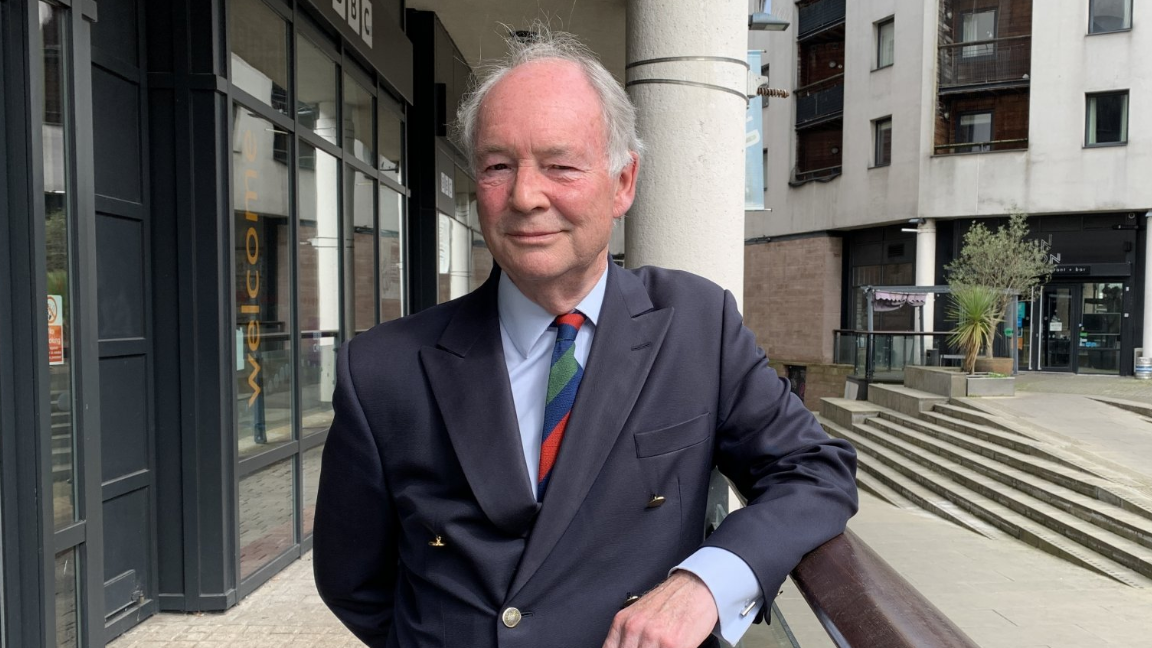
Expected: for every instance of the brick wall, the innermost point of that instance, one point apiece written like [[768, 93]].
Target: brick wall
[[792, 297]]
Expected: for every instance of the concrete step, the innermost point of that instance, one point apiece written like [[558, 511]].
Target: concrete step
[[949, 477], [1008, 440], [1000, 516], [972, 415], [903, 399], [902, 492], [846, 411], [1036, 478]]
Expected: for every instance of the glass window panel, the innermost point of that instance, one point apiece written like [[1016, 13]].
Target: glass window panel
[[316, 90], [465, 196], [390, 141], [979, 26], [319, 286], [455, 245], [481, 260], [392, 253], [883, 142], [57, 217], [267, 519], [259, 40], [66, 591], [311, 484], [885, 43], [361, 197], [1110, 15], [358, 113], [1108, 118], [263, 284], [975, 127]]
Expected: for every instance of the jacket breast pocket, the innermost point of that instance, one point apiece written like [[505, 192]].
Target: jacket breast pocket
[[673, 438]]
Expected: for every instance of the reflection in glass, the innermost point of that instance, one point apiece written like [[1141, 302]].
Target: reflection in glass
[[262, 285], [266, 516], [392, 282], [56, 109], [361, 193], [319, 285], [66, 590], [311, 483], [358, 112], [259, 40], [316, 90], [1058, 324], [455, 245], [1099, 344], [390, 141], [481, 261]]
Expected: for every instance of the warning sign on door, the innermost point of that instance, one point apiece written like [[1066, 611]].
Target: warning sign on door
[[55, 330]]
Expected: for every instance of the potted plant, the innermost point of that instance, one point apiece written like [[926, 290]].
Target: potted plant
[[976, 310]]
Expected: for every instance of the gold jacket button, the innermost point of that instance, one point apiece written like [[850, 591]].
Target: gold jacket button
[[438, 542], [632, 598], [657, 500], [511, 617]]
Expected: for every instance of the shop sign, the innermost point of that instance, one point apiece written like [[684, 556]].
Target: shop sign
[[358, 13], [1072, 270], [55, 330]]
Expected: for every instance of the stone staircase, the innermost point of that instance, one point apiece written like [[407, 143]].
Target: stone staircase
[[994, 478]]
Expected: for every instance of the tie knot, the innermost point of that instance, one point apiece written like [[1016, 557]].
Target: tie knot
[[568, 324]]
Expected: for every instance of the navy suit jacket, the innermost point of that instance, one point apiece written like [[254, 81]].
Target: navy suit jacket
[[426, 527]]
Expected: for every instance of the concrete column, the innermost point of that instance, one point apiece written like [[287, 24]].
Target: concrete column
[[926, 271], [689, 209], [1147, 352]]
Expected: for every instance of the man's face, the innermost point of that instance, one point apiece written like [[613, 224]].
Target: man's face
[[546, 200]]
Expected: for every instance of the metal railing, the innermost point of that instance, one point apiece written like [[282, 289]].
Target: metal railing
[[884, 354], [827, 173], [981, 147], [814, 105], [820, 15], [996, 61]]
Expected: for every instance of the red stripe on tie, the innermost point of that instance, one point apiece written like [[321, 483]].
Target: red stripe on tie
[[571, 319], [551, 447]]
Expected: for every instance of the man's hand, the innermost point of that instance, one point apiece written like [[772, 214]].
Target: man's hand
[[679, 613]]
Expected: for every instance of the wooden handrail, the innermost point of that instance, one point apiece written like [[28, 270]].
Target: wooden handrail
[[862, 602]]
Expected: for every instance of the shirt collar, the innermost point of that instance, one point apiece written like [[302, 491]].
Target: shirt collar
[[525, 321]]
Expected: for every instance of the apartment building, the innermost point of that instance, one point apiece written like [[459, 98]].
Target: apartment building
[[909, 121]]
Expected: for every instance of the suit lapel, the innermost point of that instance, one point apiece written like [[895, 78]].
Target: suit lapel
[[628, 338], [470, 381]]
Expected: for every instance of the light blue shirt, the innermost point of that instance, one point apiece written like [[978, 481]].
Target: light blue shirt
[[528, 337]]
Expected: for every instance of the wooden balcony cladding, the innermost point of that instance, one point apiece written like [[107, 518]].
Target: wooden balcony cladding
[[818, 153], [818, 16], [985, 64], [1009, 112], [862, 602], [820, 102]]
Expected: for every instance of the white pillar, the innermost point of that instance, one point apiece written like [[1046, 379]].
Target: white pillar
[[926, 272], [689, 209], [1147, 352]]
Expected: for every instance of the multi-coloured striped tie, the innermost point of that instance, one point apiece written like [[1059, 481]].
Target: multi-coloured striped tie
[[563, 379]]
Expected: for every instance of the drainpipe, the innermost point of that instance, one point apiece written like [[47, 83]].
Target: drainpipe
[[1147, 341], [926, 274]]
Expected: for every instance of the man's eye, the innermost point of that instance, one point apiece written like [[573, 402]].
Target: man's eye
[[561, 167], [499, 166]]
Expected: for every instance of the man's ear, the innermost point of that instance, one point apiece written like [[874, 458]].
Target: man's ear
[[626, 187]]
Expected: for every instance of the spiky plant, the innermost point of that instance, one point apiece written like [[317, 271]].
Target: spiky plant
[[976, 310]]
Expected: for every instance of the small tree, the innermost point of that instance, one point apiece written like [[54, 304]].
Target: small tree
[[1005, 260]]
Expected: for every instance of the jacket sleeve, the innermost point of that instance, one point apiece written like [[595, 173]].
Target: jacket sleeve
[[354, 537], [799, 484]]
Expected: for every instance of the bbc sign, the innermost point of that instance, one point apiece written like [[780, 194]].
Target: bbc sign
[[358, 13]]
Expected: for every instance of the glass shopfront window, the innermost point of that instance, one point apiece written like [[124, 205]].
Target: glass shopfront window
[[259, 40], [391, 249], [361, 191], [57, 241], [67, 589], [390, 139], [359, 109], [267, 515], [316, 90], [318, 297], [262, 283]]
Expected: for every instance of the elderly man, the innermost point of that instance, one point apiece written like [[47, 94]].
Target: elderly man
[[528, 465]]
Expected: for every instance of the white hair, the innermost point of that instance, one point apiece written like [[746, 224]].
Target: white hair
[[542, 44]]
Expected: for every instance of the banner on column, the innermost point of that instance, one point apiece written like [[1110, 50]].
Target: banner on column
[[753, 145]]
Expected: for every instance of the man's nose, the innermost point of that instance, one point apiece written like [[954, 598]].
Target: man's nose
[[528, 190]]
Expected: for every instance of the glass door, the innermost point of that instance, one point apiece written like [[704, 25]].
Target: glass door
[[1098, 343], [1056, 328]]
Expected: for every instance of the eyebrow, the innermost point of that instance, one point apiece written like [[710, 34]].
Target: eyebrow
[[550, 151]]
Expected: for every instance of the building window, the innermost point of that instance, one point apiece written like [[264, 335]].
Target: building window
[[882, 132], [1107, 119], [885, 43], [1109, 16], [979, 26], [974, 128]]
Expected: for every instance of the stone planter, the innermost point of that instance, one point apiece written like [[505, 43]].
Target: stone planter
[[994, 365], [988, 386]]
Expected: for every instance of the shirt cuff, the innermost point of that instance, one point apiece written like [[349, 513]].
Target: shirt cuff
[[733, 586]]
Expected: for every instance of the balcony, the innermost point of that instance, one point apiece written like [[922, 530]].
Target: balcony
[[818, 16], [985, 64], [820, 102]]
